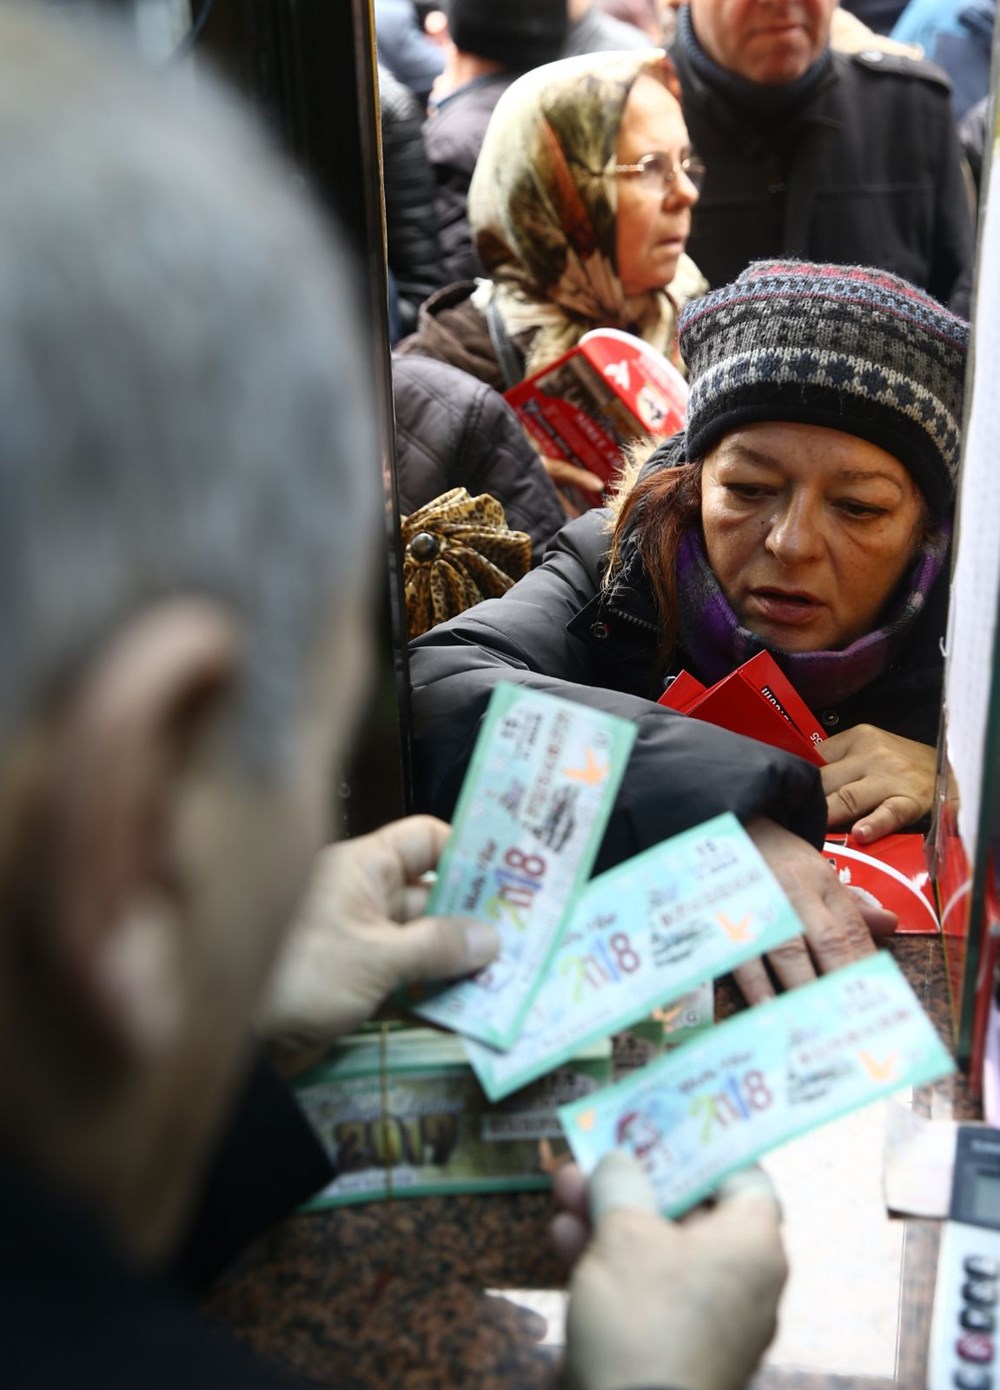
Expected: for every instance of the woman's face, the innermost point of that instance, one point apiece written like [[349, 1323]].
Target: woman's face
[[652, 227], [808, 531]]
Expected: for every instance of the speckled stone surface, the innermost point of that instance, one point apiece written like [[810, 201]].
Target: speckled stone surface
[[399, 1294], [394, 1293]]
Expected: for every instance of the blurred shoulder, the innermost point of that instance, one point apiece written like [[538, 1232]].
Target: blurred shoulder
[[874, 64]]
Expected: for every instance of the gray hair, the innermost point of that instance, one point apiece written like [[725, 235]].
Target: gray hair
[[180, 408]]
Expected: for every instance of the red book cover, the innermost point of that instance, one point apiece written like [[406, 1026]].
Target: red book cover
[[766, 677], [731, 705], [756, 700], [610, 389]]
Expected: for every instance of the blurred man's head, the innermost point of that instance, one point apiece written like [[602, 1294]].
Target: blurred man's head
[[768, 41], [516, 35], [187, 501], [641, 14]]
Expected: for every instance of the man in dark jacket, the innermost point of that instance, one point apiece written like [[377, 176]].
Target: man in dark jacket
[[843, 158], [972, 133], [453, 137], [190, 503], [490, 44]]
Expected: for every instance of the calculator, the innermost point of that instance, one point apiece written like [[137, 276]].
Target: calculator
[[963, 1346]]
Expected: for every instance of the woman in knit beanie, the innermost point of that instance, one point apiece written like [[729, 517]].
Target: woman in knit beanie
[[807, 511]]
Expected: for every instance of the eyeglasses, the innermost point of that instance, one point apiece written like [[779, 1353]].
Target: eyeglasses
[[657, 173]]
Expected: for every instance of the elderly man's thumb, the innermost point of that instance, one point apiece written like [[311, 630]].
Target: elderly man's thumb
[[443, 948]]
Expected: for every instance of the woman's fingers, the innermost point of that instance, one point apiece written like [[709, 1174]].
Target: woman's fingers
[[889, 816], [877, 783], [565, 474], [753, 981]]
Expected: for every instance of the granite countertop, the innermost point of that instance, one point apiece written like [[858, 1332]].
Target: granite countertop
[[421, 1293]]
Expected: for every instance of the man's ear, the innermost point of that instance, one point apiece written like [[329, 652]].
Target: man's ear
[[135, 728]]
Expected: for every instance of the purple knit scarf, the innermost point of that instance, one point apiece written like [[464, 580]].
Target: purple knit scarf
[[711, 635]]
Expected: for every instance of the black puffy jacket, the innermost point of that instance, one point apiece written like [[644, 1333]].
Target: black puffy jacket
[[454, 431], [415, 256]]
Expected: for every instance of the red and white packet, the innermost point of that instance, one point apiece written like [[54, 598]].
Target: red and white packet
[[891, 873]]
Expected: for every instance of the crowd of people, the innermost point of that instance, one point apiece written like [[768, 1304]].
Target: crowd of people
[[779, 207]]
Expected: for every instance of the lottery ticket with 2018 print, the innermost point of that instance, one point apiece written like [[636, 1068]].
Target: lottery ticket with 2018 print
[[642, 935], [529, 822], [719, 1102]]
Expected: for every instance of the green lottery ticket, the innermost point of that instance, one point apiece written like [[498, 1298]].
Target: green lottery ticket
[[643, 935], [529, 823], [717, 1103]]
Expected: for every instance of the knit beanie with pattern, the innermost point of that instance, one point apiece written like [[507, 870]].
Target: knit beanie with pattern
[[848, 347], [520, 34]]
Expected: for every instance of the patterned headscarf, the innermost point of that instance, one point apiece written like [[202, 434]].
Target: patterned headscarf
[[543, 209]]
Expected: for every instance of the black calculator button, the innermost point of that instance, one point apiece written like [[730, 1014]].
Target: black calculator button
[[981, 1267], [981, 1292], [966, 1378], [975, 1346], [977, 1320]]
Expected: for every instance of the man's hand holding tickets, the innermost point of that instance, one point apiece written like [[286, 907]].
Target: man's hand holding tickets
[[359, 935], [691, 1305]]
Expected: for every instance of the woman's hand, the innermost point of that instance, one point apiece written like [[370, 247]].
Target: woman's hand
[[837, 924], [567, 475], [876, 782]]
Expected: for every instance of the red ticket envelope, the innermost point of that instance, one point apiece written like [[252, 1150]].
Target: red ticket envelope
[[758, 700], [891, 873]]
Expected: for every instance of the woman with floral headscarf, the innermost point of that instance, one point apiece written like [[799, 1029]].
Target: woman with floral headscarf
[[581, 208]]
